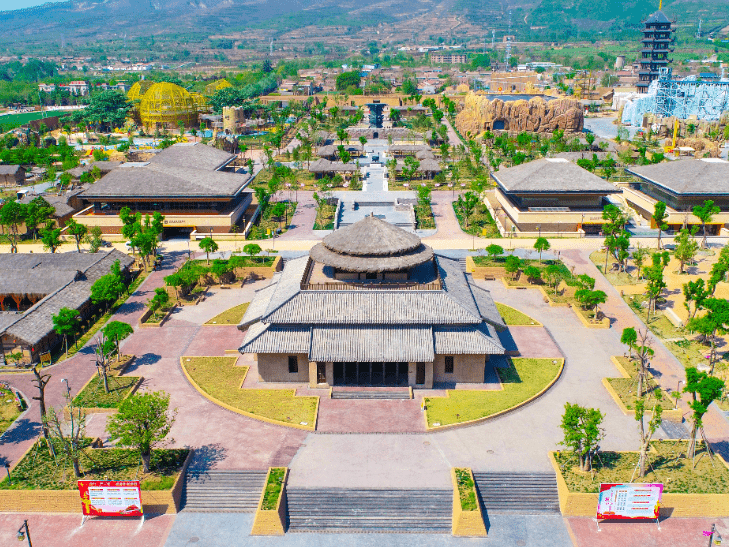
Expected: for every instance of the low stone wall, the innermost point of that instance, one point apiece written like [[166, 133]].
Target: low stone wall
[[69, 501], [466, 523], [580, 504], [271, 522]]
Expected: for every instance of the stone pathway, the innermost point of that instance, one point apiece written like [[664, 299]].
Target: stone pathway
[[666, 369]]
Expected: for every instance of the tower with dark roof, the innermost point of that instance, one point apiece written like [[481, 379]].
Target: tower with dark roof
[[657, 44]]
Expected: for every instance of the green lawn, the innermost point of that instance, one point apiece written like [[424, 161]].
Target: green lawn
[[325, 217], [669, 466], [615, 278], [221, 379], [8, 410], [466, 490], [39, 470], [273, 488], [11, 121], [514, 317], [524, 379], [94, 396], [230, 316]]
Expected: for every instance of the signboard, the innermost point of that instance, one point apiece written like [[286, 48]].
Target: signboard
[[110, 498], [629, 501], [45, 358]]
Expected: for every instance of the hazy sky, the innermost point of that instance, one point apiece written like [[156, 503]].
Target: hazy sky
[[18, 4]]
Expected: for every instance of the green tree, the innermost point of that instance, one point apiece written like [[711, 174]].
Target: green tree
[[685, 248], [494, 250], [143, 422], [646, 436], [348, 79], [410, 168], [67, 323], [78, 231], [35, 213], [51, 237], [712, 324], [582, 432], [541, 245], [533, 274], [94, 239], [108, 288], [659, 218], [704, 390], [466, 203], [655, 281], [209, 246], [160, 299], [553, 274], [695, 293], [639, 256], [252, 249], [590, 299], [512, 265], [629, 338], [705, 213], [643, 352], [106, 110], [115, 332], [12, 216]]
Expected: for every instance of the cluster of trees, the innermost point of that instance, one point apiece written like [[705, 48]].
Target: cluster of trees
[[106, 110], [142, 234], [234, 96], [36, 217]]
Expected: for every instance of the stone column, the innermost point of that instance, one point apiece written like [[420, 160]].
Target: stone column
[[330, 374], [412, 371], [428, 376], [312, 374]]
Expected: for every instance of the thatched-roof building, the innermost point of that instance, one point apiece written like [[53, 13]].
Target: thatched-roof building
[[322, 168], [34, 288], [12, 175], [372, 305]]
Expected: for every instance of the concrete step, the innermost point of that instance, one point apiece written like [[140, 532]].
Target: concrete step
[[523, 493], [222, 490], [341, 510], [383, 394]]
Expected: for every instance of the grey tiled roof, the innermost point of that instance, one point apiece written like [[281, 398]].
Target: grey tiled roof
[[262, 338], [9, 169], [486, 306], [165, 180], [194, 156], [687, 176], [37, 323], [373, 344], [553, 175], [658, 17], [471, 340]]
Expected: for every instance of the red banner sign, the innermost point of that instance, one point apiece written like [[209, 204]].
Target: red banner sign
[[111, 498], [629, 501]]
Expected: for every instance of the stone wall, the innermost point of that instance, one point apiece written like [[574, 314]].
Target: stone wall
[[535, 115]]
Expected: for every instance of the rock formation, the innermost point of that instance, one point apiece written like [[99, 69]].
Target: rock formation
[[535, 115]]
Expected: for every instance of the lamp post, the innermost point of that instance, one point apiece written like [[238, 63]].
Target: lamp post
[[68, 387], [24, 533]]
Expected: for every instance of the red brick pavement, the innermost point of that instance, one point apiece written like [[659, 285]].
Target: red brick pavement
[[353, 416], [674, 532], [667, 370], [55, 530]]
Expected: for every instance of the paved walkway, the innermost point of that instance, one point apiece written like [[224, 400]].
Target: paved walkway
[[666, 369]]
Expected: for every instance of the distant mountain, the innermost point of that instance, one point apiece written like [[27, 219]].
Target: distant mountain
[[90, 21]]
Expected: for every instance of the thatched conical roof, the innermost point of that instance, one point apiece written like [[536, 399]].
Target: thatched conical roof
[[371, 236], [371, 245]]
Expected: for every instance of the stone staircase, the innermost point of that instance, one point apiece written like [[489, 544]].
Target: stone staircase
[[367, 510], [371, 394], [520, 493], [462, 262], [222, 491]]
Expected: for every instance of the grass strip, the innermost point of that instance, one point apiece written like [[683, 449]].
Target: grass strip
[[231, 316], [668, 465], [221, 379], [94, 396], [466, 490], [514, 317], [274, 486], [38, 470], [520, 381]]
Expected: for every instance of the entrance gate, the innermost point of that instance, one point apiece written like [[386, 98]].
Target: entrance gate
[[370, 374]]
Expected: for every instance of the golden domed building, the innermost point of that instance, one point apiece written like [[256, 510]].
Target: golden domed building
[[215, 86], [166, 104], [136, 92], [200, 101]]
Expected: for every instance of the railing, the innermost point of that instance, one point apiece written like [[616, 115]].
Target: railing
[[372, 286]]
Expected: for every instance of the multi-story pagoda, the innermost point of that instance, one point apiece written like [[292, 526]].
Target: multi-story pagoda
[[657, 42]]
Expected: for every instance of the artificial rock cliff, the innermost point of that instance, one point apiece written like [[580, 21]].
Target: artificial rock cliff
[[535, 115]]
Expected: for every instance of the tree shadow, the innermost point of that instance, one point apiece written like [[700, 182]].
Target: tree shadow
[[23, 430], [143, 360], [206, 458]]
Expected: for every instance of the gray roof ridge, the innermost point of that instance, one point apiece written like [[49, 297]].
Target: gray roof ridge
[[294, 284], [457, 270]]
